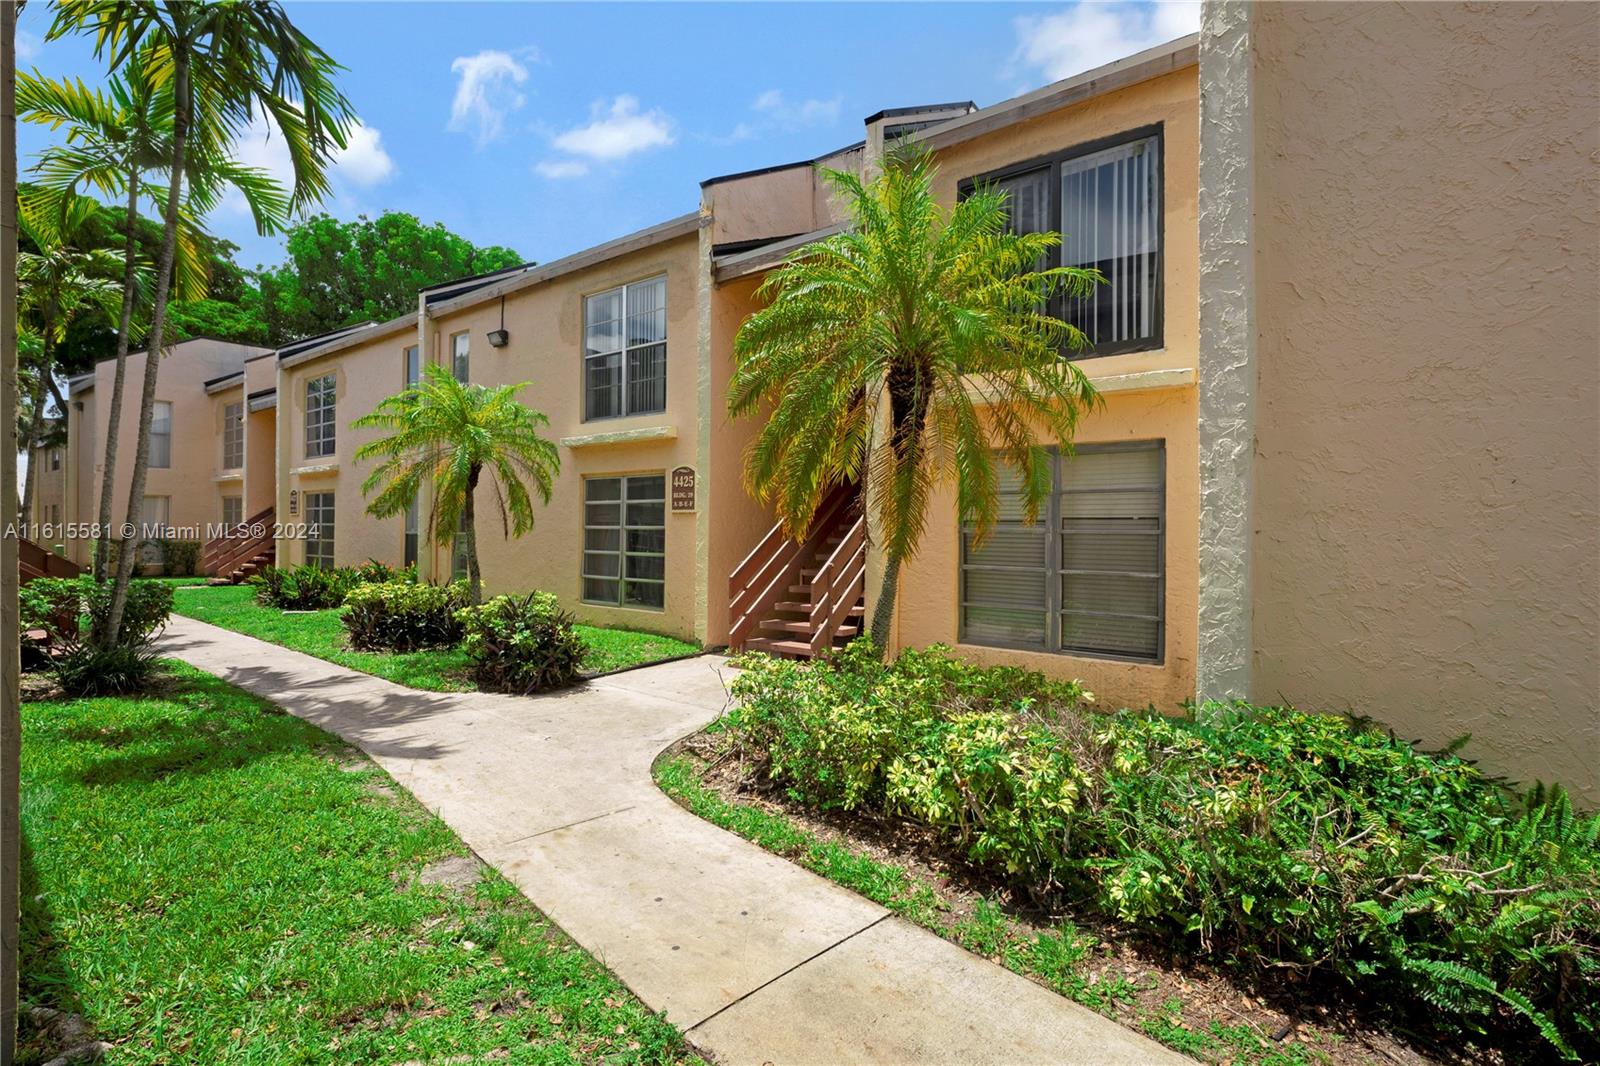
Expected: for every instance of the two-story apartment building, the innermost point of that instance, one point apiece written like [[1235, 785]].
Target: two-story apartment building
[[1336, 463]]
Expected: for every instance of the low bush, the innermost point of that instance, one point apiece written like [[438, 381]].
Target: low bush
[[403, 615], [1307, 846], [74, 612], [521, 644], [180, 558], [375, 571], [304, 588]]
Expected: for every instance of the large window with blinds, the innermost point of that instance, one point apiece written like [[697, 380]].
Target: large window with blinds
[[1089, 577], [625, 350], [1104, 199], [161, 435], [233, 436], [625, 540]]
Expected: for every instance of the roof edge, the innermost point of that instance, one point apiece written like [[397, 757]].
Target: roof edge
[[370, 332]]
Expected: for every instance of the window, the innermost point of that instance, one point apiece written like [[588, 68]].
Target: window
[[458, 551], [461, 356], [1105, 201], [319, 529], [161, 435], [625, 540], [625, 350], [413, 364], [55, 458], [155, 514], [413, 515], [232, 511], [233, 436], [1088, 578], [320, 416]]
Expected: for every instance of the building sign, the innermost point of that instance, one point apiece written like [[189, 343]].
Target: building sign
[[294, 501], [683, 489]]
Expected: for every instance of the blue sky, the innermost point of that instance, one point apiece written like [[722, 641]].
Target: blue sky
[[552, 127]]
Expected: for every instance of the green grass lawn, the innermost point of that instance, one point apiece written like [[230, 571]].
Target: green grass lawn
[[320, 633], [209, 880]]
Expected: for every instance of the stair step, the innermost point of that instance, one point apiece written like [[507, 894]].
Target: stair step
[[805, 587], [793, 605], [787, 626], [779, 647]]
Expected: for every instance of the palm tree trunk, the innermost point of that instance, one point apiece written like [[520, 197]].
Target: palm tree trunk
[[102, 544], [883, 610], [35, 414], [469, 527], [152, 360]]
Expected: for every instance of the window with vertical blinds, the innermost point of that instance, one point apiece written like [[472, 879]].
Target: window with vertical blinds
[[161, 435], [1105, 201], [233, 436], [1088, 577], [625, 350]]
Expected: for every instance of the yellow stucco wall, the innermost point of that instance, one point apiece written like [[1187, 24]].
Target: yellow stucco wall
[[927, 608], [1427, 498]]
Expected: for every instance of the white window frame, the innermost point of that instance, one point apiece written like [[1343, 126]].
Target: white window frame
[[233, 435], [161, 430], [625, 497], [625, 350], [235, 504], [411, 364], [461, 356], [322, 416], [319, 516]]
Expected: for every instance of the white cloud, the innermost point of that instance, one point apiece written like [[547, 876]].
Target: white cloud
[[1087, 34], [486, 93], [558, 169], [27, 45], [617, 131], [775, 113], [362, 163]]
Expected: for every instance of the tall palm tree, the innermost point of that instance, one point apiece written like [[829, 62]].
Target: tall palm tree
[[450, 434], [226, 61], [114, 138], [939, 315], [57, 284]]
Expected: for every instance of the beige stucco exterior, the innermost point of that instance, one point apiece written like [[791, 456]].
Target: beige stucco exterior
[[49, 466], [1149, 395], [195, 482], [1427, 474]]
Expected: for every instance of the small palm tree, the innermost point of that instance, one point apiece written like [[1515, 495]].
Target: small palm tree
[[938, 315], [115, 137], [226, 62], [449, 433]]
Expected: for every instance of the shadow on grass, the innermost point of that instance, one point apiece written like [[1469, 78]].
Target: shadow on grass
[[44, 978]]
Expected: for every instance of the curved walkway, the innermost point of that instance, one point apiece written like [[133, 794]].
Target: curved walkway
[[757, 959]]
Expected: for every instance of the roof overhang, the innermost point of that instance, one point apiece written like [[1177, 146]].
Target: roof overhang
[[670, 230], [353, 339], [224, 383], [729, 267], [262, 399]]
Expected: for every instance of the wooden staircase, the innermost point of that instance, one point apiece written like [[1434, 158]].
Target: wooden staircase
[[805, 599], [35, 560], [242, 551]]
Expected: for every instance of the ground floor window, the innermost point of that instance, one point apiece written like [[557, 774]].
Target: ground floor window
[[1089, 577], [232, 510], [460, 566], [319, 529], [625, 540], [413, 517]]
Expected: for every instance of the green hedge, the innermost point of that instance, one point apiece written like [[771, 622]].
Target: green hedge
[[521, 644], [403, 615], [1306, 846]]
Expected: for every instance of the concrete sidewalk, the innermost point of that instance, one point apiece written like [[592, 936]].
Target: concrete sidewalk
[[756, 959]]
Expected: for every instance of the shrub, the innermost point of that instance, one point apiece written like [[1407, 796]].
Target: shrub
[[181, 557], [1308, 846], [403, 615], [82, 666], [375, 571], [303, 588], [521, 644]]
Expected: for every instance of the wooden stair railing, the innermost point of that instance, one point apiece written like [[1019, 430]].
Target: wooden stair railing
[[226, 556], [772, 567], [820, 582], [35, 560]]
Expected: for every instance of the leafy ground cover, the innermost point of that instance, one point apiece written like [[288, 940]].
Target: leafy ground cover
[[209, 880], [1312, 858], [321, 633]]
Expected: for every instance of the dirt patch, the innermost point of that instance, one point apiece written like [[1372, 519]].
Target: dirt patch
[[459, 872], [1146, 986], [59, 1038]]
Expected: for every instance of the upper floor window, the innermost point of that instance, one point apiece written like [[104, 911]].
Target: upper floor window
[[625, 350], [1105, 201], [413, 364], [461, 356], [1088, 578], [161, 435], [55, 458], [233, 436], [320, 416]]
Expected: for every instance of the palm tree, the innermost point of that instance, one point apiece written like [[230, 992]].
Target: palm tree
[[58, 283], [114, 137], [225, 61], [450, 434], [939, 315]]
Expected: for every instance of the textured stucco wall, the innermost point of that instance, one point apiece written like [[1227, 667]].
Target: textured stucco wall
[[1227, 352], [1427, 515]]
